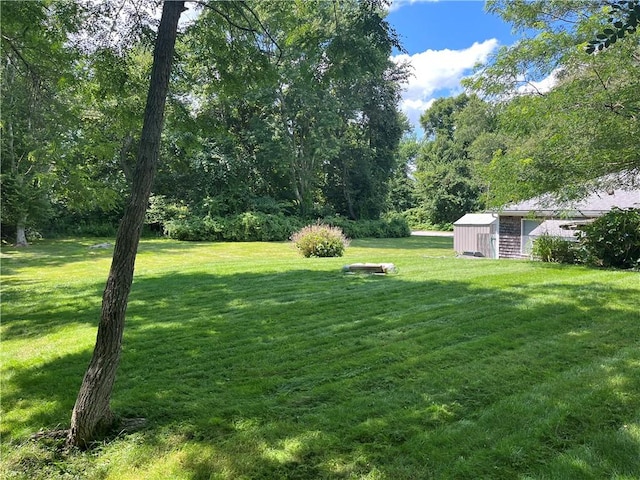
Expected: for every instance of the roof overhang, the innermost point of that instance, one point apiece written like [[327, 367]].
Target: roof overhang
[[553, 213], [559, 228], [477, 219]]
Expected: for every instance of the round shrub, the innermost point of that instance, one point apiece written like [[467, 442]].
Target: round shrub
[[396, 226], [320, 241], [613, 240]]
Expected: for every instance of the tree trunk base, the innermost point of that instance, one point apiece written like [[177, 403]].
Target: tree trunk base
[[120, 427], [21, 237]]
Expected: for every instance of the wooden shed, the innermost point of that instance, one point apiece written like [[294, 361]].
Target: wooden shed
[[476, 234]]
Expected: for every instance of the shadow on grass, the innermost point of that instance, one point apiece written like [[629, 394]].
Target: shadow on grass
[[313, 374], [77, 305], [51, 253]]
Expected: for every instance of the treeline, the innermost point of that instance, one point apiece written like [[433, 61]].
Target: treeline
[[287, 112], [559, 111], [287, 109]]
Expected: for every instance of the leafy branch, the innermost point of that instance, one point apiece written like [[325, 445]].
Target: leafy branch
[[242, 8], [628, 14]]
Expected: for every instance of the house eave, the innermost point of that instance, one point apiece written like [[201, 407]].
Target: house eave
[[553, 213]]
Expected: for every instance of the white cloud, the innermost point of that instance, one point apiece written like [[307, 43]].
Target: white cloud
[[438, 70], [542, 86], [414, 108], [396, 4]]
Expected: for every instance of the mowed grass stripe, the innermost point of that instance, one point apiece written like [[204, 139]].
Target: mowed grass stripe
[[251, 362]]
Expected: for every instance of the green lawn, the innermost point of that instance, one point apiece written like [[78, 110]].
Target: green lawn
[[251, 362]]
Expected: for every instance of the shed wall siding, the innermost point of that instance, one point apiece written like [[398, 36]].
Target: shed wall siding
[[510, 237], [465, 238]]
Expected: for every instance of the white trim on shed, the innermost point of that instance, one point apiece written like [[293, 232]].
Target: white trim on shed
[[476, 219]]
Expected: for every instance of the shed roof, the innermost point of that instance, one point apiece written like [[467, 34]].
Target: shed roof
[[594, 205], [477, 219]]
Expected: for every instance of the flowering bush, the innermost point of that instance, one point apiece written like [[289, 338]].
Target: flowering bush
[[320, 241]]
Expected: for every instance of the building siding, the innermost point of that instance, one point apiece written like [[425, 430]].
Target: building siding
[[510, 237], [474, 239], [465, 237]]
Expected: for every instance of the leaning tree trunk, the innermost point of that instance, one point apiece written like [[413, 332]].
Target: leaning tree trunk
[[92, 414]]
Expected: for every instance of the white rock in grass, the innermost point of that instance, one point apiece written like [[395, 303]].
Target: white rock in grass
[[372, 268], [102, 245]]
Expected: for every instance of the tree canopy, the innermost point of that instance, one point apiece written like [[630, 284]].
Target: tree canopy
[[292, 107], [447, 186], [585, 126]]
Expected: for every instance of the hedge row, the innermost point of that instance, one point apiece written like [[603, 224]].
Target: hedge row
[[264, 227]]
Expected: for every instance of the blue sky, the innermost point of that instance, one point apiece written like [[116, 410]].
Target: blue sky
[[444, 39]]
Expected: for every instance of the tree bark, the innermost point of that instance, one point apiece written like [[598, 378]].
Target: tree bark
[[21, 224], [92, 415], [21, 237]]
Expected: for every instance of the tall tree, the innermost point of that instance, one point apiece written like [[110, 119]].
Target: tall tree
[[368, 88], [222, 143], [59, 147], [569, 118], [401, 195], [92, 413], [315, 122], [36, 69], [446, 184]]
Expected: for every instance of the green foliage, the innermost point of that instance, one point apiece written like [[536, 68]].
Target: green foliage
[[299, 119], [177, 222], [549, 248], [613, 240], [95, 223], [447, 185], [624, 20], [70, 108], [35, 68], [161, 210], [312, 121], [439, 119], [195, 229], [401, 196], [260, 227], [369, 86], [245, 227], [320, 240], [396, 225], [580, 123], [419, 218], [391, 225]]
